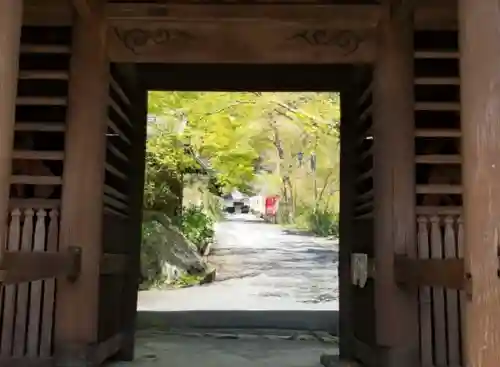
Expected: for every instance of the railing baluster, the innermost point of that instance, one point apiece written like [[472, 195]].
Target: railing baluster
[[438, 296], [453, 328], [10, 290], [36, 289], [23, 289], [425, 295]]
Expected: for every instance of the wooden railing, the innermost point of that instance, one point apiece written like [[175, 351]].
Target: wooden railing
[[29, 265], [442, 283]]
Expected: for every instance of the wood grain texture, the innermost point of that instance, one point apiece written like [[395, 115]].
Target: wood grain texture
[[10, 36], [480, 95], [83, 186], [394, 186], [185, 42]]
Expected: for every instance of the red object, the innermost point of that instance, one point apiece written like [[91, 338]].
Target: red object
[[271, 205]]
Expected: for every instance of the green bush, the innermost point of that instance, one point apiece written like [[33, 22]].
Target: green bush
[[197, 226], [323, 222]]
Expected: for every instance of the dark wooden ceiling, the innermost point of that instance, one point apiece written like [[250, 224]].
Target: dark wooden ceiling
[[240, 77]]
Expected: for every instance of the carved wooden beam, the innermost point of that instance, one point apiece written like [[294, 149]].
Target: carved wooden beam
[[342, 16], [187, 42], [437, 14]]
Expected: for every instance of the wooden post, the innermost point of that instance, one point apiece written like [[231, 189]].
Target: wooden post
[[394, 188], [480, 95], [136, 194], [83, 183], [10, 37], [347, 202]]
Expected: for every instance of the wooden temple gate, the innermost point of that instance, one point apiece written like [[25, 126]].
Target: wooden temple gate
[[420, 198]]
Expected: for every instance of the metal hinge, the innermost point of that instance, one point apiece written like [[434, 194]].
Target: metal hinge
[[362, 268]]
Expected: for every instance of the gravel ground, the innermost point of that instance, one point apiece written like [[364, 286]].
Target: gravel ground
[[155, 349], [260, 267]]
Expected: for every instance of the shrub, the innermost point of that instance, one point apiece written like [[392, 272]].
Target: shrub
[[197, 226], [323, 222], [320, 221]]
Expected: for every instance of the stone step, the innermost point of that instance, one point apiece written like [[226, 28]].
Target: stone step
[[270, 334]]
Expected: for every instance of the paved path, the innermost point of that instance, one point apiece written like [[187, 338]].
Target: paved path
[[156, 349], [260, 267]]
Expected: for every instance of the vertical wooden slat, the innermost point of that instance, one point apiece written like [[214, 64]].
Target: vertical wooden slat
[[347, 236], [438, 304], [461, 298], [83, 186], [425, 296], [35, 305], [49, 289], [23, 289], [136, 188], [452, 315], [394, 186], [480, 116], [9, 308], [11, 12]]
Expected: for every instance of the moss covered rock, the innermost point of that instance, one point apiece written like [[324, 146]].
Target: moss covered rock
[[168, 256]]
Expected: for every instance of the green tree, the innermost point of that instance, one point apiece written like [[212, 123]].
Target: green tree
[[253, 141]]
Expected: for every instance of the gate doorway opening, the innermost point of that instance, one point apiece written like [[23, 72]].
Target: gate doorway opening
[[254, 273]]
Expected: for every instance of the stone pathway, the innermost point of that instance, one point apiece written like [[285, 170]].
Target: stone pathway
[[230, 348], [259, 267]]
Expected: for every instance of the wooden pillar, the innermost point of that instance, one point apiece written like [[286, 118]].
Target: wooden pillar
[[394, 187], [10, 37], [480, 96], [136, 194], [83, 183], [347, 202]]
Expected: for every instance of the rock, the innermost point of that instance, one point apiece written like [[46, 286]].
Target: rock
[[167, 254], [210, 277]]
